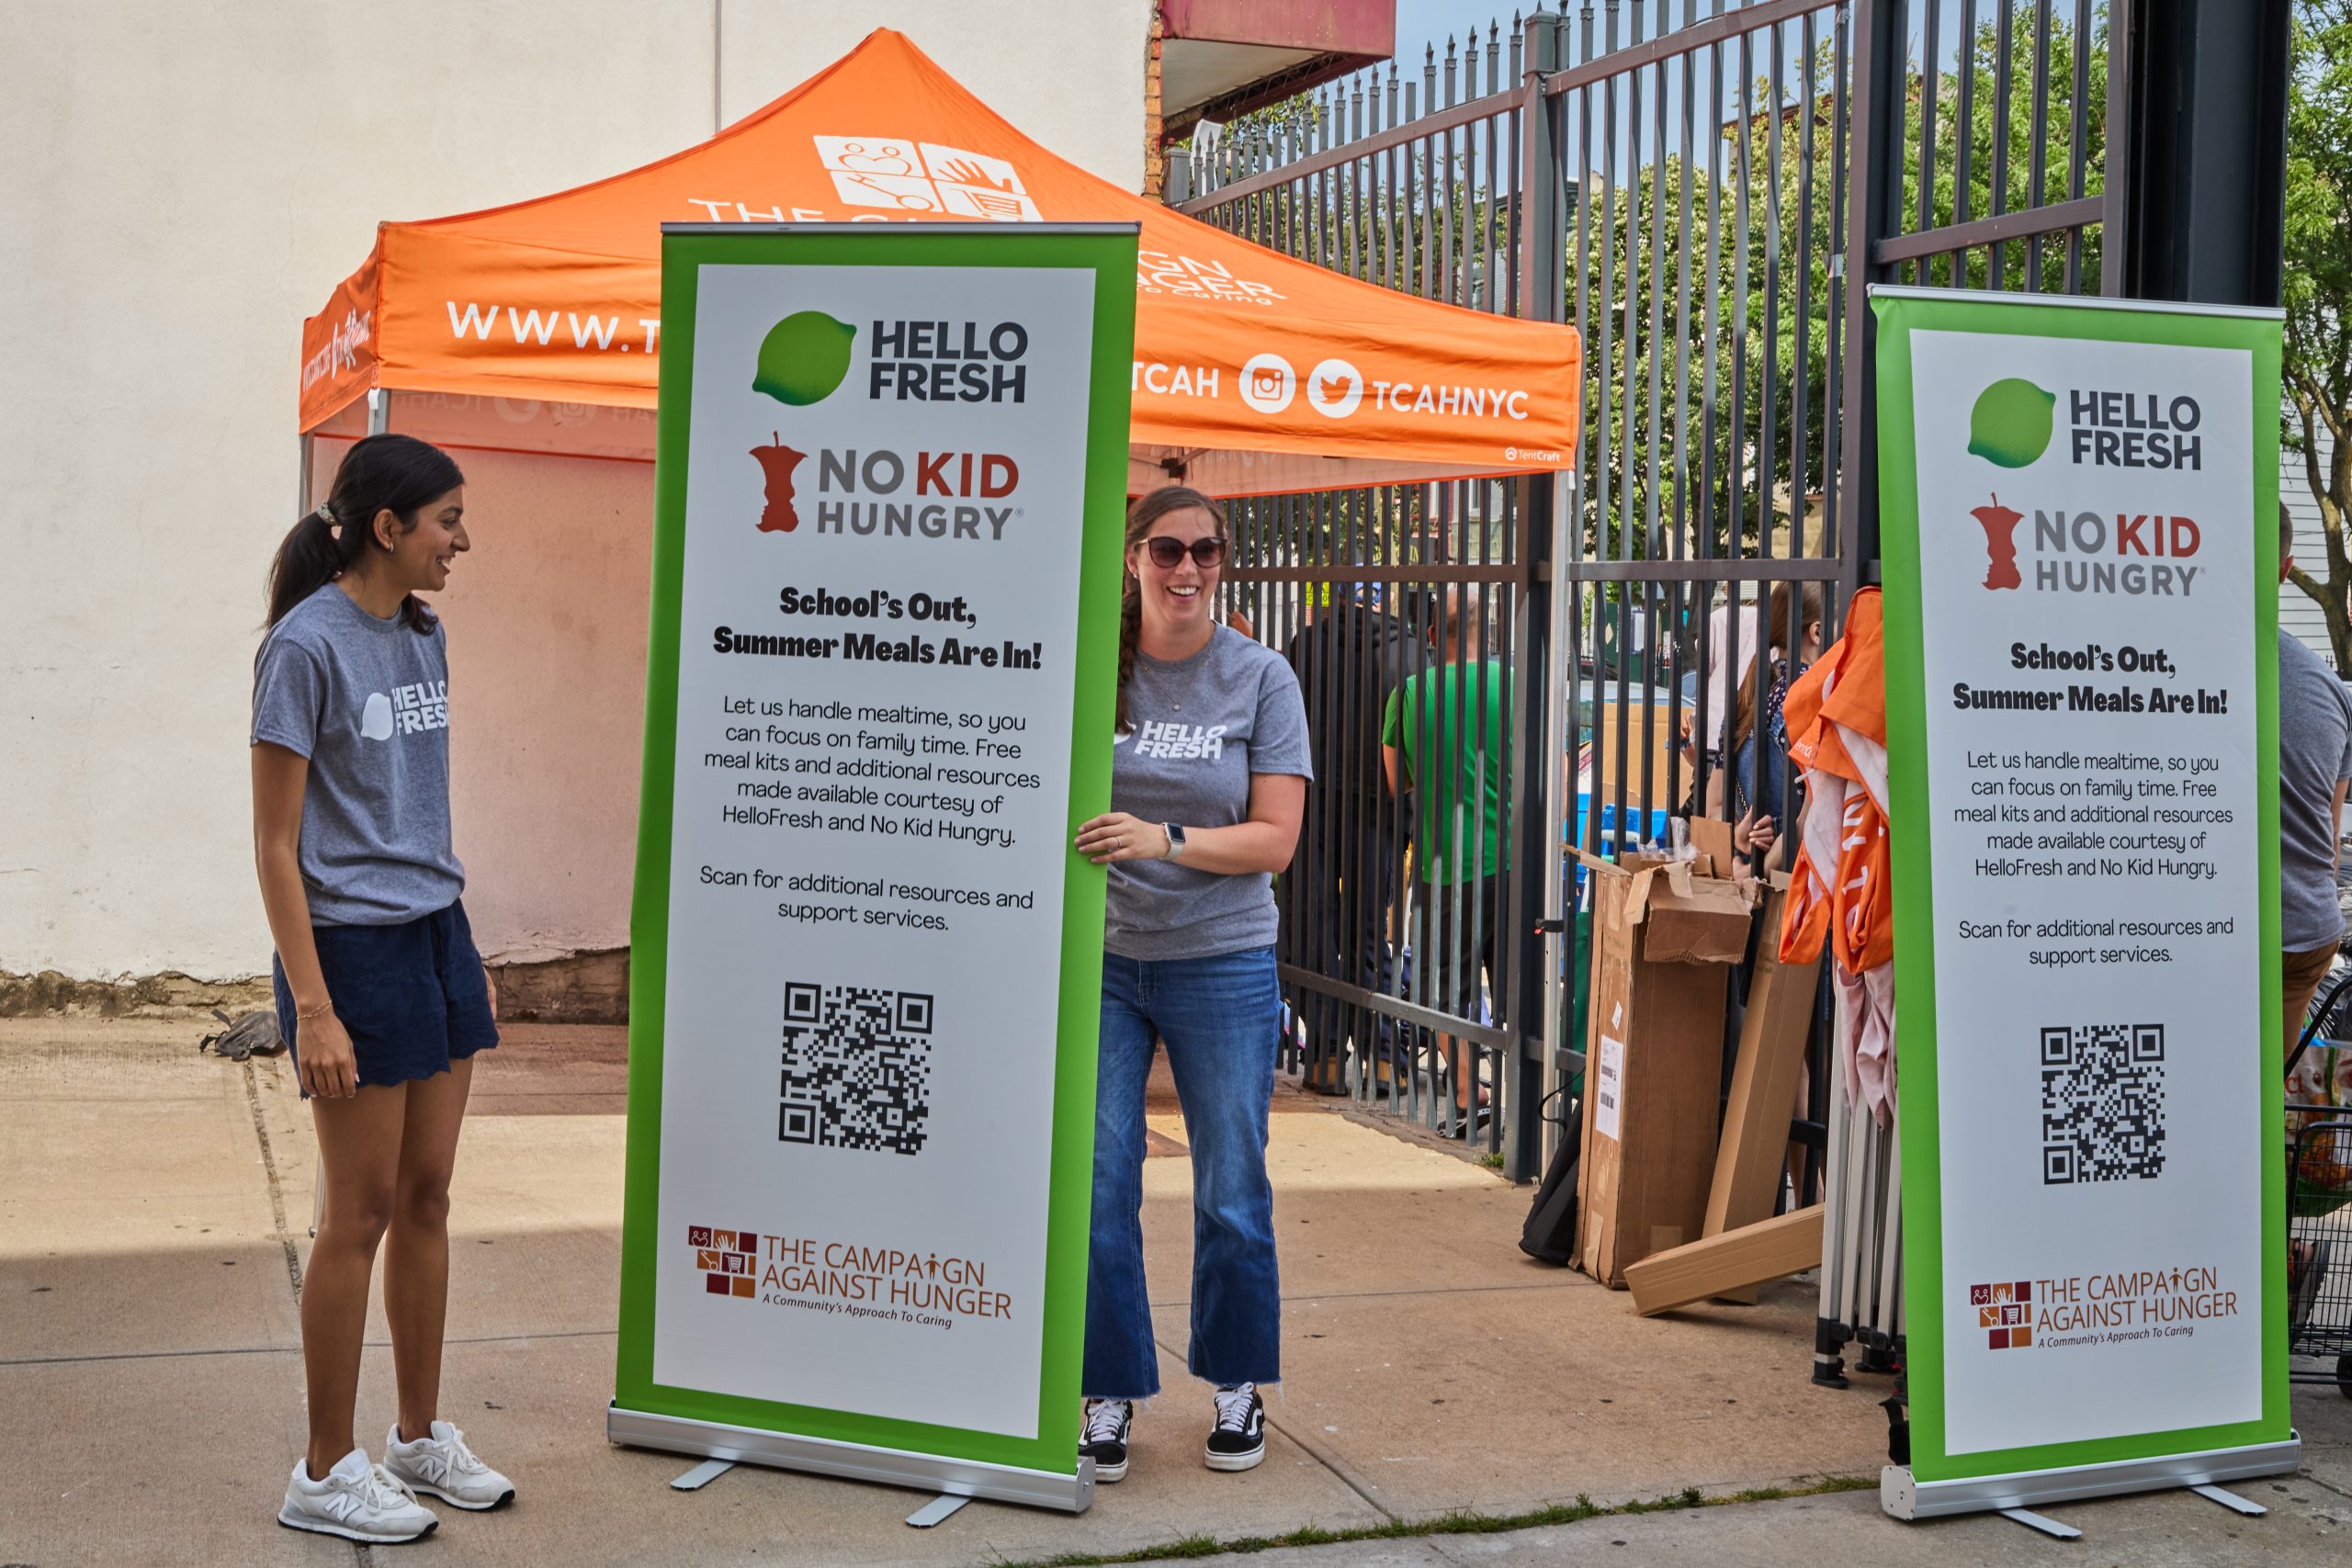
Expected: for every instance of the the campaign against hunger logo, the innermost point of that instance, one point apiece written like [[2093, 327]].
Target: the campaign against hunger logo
[[2005, 1312], [728, 1260], [2010, 424], [802, 360]]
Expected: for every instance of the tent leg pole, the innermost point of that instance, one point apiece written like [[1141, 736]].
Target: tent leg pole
[[302, 477], [379, 410]]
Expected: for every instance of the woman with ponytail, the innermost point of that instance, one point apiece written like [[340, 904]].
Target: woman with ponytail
[[1207, 782], [379, 989]]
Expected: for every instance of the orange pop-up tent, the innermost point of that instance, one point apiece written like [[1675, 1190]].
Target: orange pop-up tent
[[535, 327]]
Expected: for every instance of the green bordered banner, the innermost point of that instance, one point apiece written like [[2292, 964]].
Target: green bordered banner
[[865, 962], [2079, 524]]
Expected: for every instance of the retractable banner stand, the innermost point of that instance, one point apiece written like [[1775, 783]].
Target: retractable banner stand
[[866, 962], [2080, 533]]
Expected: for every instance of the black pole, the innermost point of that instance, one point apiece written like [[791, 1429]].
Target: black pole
[[1874, 211], [2206, 189]]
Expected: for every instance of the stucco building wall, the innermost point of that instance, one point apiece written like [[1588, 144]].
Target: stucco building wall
[[183, 186]]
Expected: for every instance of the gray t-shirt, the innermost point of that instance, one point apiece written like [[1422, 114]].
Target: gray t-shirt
[[1202, 725], [2315, 754], [367, 702]]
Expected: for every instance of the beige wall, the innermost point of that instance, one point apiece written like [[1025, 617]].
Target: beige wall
[[182, 185]]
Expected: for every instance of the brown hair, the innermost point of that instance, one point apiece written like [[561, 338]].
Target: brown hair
[[1776, 634], [1149, 509]]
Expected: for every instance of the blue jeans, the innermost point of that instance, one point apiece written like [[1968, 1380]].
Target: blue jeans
[[1221, 1017]]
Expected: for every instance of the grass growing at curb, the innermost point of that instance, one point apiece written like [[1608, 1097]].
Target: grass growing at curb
[[1196, 1546]]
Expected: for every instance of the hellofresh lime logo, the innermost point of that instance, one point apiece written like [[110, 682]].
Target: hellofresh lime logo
[[2011, 426], [804, 357]]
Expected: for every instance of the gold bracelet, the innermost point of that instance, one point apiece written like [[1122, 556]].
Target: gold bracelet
[[324, 1008]]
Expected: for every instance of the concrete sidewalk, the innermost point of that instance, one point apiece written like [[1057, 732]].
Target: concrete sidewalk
[[154, 1209]]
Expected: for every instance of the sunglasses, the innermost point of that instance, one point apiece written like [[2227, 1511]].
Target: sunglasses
[[1166, 552]]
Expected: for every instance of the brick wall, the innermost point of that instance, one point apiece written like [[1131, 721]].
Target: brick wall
[[1155, 160]]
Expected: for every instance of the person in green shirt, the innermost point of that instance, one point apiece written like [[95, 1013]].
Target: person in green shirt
[[1444, 738]]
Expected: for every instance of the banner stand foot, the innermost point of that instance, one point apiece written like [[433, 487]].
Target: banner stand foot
[[934, 1511], [2041, 1522], [702, 1475], [2230, 1500]]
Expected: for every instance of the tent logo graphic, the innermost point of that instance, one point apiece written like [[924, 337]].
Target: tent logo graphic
[[803, 359], [1268, 382], [1334, 388], [922, 176], [2010, 423]]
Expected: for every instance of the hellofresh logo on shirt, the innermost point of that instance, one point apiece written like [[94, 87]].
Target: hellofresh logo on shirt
[[1179, 742], [424, 705]]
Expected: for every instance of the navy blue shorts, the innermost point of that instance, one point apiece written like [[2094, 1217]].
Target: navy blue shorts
[[411, 997]]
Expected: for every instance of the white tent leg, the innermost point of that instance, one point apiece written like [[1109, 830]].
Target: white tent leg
[[379, 410]]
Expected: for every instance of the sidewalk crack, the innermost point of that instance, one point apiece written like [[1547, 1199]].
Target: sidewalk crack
[[277, 1190], [1315, 1453]]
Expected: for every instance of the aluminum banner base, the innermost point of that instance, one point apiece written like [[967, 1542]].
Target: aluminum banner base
[[853, 1461], [1906, 1497]]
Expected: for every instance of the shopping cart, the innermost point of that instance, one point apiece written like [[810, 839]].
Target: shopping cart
[[2318, 1191]]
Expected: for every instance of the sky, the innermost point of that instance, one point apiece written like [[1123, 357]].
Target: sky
[[1420, 23]]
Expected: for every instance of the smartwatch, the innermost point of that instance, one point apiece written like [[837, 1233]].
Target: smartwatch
[[1175, 840]]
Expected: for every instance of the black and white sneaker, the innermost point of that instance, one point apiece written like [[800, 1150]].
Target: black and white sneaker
[[1239, 1441], [1103, 1438]]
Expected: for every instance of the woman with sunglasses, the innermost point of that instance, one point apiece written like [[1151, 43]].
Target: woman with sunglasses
[[1207, 782]]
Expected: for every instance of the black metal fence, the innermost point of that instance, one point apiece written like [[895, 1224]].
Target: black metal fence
[[1703, 190]]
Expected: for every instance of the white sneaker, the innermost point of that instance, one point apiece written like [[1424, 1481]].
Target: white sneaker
[[358, 1501], [440, 1464]]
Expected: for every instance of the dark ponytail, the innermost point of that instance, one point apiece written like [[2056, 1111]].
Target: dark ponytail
[[381, 473], [1146, 511]]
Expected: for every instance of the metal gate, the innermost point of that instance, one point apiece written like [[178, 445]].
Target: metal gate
[[1698, 188]]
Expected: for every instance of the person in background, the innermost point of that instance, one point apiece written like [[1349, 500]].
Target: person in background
[[379, 990], [1751, 797], [1341, 893], [2314, 763], [1208, 778], [1443, 738], [2314, 767]]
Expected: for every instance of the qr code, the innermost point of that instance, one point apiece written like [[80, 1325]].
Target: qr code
[[856, 1067], [2102, 1102]]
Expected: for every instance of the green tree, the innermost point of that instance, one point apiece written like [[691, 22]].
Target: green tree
[[1707, 283], [1764, 213], [2318, 362]]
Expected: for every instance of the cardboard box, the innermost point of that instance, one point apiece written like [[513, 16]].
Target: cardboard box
[[1664, 935]]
